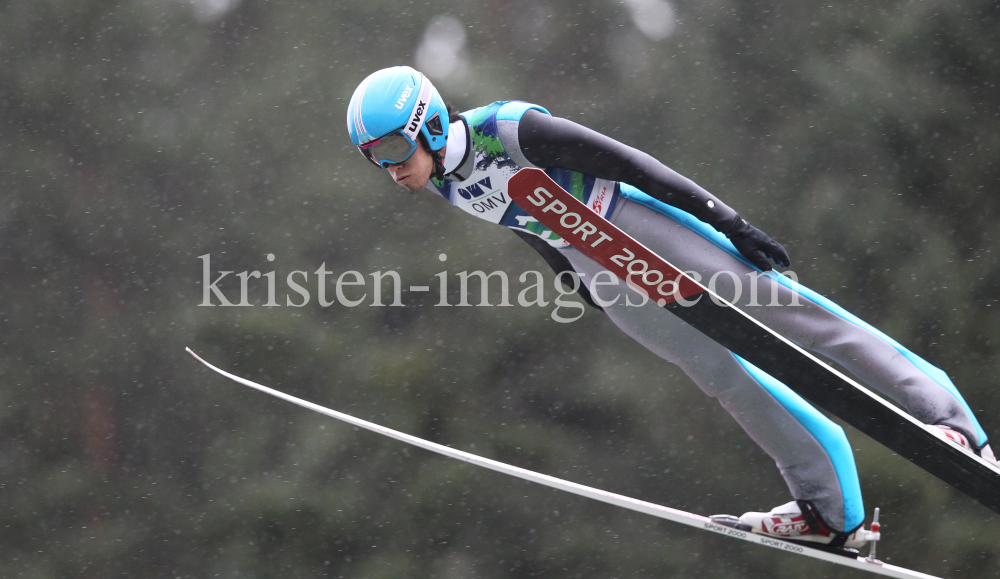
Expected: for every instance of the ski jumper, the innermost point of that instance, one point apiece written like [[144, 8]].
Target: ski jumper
[[677, 219]]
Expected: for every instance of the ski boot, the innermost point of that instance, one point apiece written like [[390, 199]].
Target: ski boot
[[799, 522], [949, 433]]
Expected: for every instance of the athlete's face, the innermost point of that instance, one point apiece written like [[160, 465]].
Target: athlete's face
[[414, 172]]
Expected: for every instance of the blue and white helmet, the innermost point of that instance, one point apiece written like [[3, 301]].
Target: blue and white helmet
[[389, 109]]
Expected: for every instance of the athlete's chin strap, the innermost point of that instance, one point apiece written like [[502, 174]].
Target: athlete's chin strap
[[438, 165], [438, 172]]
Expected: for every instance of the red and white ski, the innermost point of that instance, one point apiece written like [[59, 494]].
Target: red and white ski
[[705, 523], [642, 269]]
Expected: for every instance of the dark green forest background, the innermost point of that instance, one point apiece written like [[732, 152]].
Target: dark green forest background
[[136, 136]]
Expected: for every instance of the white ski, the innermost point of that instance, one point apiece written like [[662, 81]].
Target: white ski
[[677, 516]]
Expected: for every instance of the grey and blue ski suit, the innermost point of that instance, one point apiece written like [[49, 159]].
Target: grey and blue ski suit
[[680, 221]]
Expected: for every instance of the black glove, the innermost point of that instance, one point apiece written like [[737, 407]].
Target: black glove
[[754, 244]]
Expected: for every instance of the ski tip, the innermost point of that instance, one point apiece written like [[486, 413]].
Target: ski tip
[[196, 356]]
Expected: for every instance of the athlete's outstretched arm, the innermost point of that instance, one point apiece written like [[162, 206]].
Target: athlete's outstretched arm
[[555, 142]]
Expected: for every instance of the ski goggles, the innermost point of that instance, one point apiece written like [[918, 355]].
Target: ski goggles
[[391, 149]]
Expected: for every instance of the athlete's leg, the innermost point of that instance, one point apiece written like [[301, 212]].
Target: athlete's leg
[[817, 324], [811, 452]]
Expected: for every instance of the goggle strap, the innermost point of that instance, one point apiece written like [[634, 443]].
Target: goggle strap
[[418, 113]]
